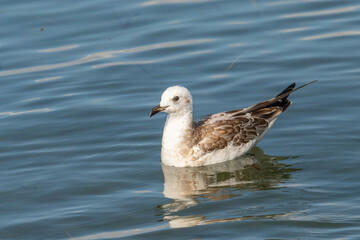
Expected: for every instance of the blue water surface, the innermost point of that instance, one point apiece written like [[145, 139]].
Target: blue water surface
[[80, 158]]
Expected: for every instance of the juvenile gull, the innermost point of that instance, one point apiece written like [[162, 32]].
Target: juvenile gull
[[218, 137]]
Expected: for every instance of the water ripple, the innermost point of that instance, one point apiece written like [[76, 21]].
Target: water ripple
[[200, 52], [59, 49], [332, 35], [123, 63], [219, 76], [103, 55], [48, 79], [237, 23], [293, 30], [278, 3], [124, 233], [159, 2], [323, 12], [29, 111]]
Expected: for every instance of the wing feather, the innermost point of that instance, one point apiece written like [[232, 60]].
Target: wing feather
[[238, 127], [219, 130]]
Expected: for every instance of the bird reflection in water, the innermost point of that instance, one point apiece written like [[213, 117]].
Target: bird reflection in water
[[187, 186]]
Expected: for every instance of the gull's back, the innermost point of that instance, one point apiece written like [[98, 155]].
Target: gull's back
[[223, 136]]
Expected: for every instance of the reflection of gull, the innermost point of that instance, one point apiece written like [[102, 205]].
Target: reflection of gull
[[184, 186], [191, 221], [217, 137], [256, 171]]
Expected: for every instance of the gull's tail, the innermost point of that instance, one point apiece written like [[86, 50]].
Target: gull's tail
[[281, 100], [284, 102]]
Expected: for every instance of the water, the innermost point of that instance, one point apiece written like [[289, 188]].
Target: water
[[80, 157]]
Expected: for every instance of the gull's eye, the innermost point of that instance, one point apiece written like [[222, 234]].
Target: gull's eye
[[176, 98]]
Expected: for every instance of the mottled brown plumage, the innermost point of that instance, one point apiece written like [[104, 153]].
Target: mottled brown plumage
[[238, 127]]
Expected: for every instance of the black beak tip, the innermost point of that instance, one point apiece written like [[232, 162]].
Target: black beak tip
[[152, 113], [155, 110]]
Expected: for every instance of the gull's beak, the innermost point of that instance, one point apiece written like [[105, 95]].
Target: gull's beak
[[156, 110]]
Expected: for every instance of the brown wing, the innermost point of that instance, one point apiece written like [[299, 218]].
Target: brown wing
[[241, 126], [219, 130]]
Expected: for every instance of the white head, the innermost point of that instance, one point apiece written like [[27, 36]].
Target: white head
[[175, 99]]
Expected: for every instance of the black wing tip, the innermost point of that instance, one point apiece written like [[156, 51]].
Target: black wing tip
[[288, 89], [284, 103]]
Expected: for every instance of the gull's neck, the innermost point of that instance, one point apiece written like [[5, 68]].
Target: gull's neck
[[177, 136]]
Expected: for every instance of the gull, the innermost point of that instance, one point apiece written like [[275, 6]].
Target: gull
[[218, 137]]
